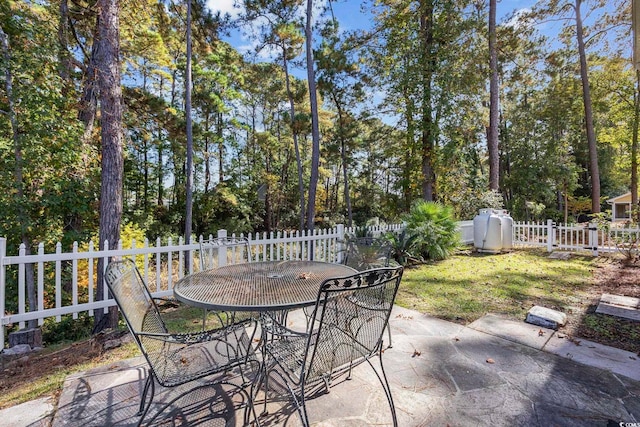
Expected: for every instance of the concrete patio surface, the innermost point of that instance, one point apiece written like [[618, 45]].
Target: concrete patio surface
[[493, 372]]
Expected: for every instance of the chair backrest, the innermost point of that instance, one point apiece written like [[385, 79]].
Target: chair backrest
[[133, 298], [351, 313], [364, 253], [223, 251]]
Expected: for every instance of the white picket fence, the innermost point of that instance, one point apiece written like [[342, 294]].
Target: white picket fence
[[74, 274], [574, 237]]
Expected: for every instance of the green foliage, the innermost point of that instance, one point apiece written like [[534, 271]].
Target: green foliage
[[435, 229], [402, 247], [221, 209], [472, 201], [67, 330]]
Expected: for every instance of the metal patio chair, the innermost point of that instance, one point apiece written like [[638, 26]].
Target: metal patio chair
[[221, 251], [177, 358], [364, 253], [348, 323]]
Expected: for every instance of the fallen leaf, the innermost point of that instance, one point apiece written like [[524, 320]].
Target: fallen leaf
[[540, 333], [491, 361], [457, 339], [416, 353]]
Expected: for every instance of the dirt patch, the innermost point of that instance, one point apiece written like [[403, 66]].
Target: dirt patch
[[610, 276], [20, 370]]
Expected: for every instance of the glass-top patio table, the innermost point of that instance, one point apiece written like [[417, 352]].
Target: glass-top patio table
[[258, 286]]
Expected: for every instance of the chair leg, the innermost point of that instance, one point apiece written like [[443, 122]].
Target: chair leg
[[389, 333], [143, 399], [387, 389], [149, 384], [302, 407], [204, 319]]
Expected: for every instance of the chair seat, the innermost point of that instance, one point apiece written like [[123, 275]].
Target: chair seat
[[332, 357], [182, 358]]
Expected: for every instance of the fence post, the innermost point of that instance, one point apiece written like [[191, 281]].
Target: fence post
[[339, 243], [593, 238], [551, 235], [3, 253], [222, 249]]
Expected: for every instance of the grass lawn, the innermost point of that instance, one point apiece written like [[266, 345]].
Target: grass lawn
[[465, 287]]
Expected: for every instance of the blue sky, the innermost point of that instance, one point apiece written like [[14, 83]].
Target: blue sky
[[348, 12], [350, 15]]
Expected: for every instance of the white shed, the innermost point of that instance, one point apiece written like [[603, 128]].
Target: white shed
[[621, 207]]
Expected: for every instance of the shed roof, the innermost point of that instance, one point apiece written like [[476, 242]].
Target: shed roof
[[623, 198]]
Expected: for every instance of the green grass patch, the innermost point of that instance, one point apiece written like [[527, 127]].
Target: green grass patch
[[465, 287]]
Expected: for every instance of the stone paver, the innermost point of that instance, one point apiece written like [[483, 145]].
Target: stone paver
[[440, 374], [520, 332], [36, 413], [588, 352]]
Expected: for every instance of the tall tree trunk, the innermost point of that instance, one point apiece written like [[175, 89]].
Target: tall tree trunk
[[189, 166], [145, 184], [409, 151], [315, 127], [428, 125], [588, 115], [492, 141], [108, 78], [294, 133], [89, 100], [634, 150], [343, 159], [160, 170], [220, 150], [63, 45], [206, 156]]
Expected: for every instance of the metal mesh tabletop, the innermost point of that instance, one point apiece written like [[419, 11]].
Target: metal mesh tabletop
[[258, 286]]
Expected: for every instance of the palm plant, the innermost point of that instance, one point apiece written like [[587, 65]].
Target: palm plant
[[402, 245], [436, 234]]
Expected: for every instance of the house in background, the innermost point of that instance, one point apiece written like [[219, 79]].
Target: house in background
[[621, 207]]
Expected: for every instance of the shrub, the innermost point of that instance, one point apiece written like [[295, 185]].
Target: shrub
[[435, 229], [472, 201], [67, 330], [402, 247]]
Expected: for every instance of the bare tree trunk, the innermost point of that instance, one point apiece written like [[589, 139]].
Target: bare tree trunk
[[220, 150], [315, 127], [634, 149], [343, 159], [189, 166], [588, 115], [89, 100], [296, 146], [428, 134], [205, 155], [63, 46], [492, 140], [108, 67]]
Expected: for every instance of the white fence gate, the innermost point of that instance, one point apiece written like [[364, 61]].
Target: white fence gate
[[574, 237]]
